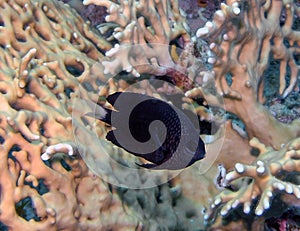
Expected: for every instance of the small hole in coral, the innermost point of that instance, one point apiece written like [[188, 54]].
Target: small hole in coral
[[3, 227], [26, 210], [110, 187], [254, 152], [65, 165], [229, 79], [297, 58], [15, 148], [47, 163], [53, 19], [41, 188], [283, 16], [75, 68], [141, 202], [20, 38], [158, 197], [68, 92], [25, 138], [1, 140], [174, 203], [42, 130], [3, 91], [190, 213], [25, 25]]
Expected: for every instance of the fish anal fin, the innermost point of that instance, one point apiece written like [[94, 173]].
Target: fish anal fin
[[110, 136], [148, 165]]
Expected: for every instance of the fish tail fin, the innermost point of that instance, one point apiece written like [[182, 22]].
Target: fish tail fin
[[113, 97], [101, 113]]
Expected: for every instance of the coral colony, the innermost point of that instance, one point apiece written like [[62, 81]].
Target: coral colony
[[55, 67]]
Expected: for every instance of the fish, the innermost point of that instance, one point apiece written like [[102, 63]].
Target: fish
[[153, 129]]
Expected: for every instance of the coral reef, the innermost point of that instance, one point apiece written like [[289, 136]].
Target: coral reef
[[238, 29], [231, 42], [54, 64], [49, 59], [46, 55], [139, 50], [272, 173]]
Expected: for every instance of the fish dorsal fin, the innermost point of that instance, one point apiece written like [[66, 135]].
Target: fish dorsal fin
[[113, 97]]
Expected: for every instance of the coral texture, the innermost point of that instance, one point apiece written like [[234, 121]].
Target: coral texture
[[241, 28], [267, 177], [51, 60], [143, 50], [244, 36], [46, 55]]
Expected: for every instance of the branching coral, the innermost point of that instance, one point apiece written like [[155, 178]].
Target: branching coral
[[50, 58], [244, 36], [242, 28], [268, 175], [145, 31]]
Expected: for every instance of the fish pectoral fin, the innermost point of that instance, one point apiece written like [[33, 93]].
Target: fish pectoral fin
[[148, 165], [92, 114]]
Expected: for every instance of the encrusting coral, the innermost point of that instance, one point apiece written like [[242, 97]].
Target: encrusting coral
[[46, 55]]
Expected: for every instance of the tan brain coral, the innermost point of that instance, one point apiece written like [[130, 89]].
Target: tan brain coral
[[47, 53]]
